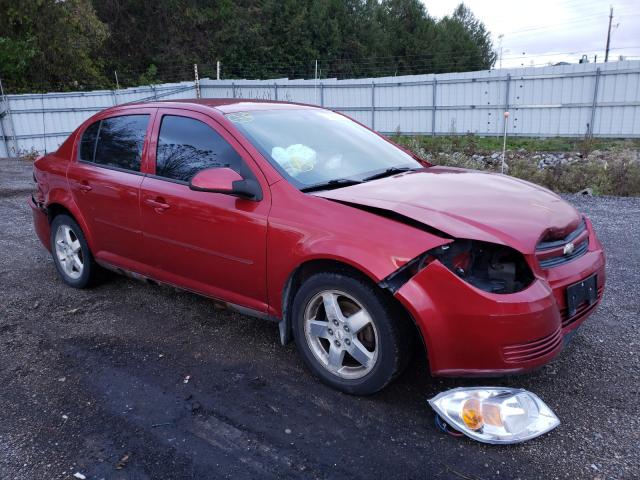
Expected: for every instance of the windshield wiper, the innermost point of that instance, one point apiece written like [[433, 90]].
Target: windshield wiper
[[335, 183], [388, 172]]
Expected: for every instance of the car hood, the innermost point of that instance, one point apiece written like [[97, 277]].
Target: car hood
[[467, 204]]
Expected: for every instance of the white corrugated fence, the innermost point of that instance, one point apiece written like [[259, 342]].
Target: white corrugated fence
[[570, 100]]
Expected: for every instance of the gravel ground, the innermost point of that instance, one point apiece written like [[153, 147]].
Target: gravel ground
[[130, 381]]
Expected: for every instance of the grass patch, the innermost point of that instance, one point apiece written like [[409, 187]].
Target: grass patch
[[606, 166], [474, 144]]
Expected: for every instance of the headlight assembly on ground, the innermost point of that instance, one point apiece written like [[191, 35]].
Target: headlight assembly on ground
[[494, 414]]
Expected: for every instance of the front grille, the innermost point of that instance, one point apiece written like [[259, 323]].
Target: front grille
[[525, 352], [551, 252], [581, 312]]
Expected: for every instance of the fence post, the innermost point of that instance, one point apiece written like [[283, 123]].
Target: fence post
[[594, 104], [275, 91], [233, 89], [506, 95], [433, 108], [4, 139], [321, 94], [373, 106], [506, 104], [8, 126], [197, 80], [506, 121], [115, 92], [3, 113], [44, 124]]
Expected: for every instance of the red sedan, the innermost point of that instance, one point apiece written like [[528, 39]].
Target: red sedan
[[357, 248]]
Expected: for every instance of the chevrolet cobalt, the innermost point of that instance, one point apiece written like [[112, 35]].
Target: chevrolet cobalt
[[359, 250]]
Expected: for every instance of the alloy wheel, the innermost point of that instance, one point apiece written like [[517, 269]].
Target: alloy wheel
[[69, 252], [341, 334]]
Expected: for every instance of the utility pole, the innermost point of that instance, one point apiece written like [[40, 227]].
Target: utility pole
[[218, 70], [500, 37], [606, 53]]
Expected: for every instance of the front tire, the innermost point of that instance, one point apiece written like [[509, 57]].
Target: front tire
[[348, 333], [70, 252]]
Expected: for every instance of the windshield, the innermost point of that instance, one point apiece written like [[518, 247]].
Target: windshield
[[313, 148]]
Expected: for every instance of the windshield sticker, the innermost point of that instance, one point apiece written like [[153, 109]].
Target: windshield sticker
[[240, 117]]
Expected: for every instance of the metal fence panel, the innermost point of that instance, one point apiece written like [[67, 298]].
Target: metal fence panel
[[570, 100]]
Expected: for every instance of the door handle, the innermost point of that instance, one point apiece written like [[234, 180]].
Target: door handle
[[158, 205], [84, 186]]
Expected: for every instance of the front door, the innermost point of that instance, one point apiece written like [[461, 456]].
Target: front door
[[210, 243]]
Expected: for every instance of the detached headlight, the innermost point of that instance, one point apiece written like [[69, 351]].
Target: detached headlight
[[495, 414], [488, 266]]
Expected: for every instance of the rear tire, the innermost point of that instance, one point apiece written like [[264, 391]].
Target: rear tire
[[348, 334], [71, 254]]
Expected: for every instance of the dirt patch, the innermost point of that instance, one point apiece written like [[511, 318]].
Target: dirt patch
[[93, 382]]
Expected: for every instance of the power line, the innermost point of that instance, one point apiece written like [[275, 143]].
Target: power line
[[557, 26]]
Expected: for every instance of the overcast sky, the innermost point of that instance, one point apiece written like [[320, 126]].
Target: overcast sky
[[539, 32]]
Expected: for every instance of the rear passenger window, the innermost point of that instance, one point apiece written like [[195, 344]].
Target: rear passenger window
[[118, 142], [88, 142], [187, 145]]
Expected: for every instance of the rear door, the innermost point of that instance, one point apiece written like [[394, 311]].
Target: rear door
[[105, 183], [211, 243]]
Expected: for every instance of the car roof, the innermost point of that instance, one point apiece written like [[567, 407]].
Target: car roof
[[224, 105]]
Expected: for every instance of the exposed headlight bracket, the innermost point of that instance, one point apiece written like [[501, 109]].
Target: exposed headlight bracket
[[488, 266]]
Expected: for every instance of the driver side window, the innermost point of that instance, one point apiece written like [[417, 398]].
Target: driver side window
[[187, 145]]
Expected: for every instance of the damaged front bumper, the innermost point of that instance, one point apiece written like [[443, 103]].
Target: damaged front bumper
[[471, 332]]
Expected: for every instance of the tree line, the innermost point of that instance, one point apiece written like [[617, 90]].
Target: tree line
[[48, 45]]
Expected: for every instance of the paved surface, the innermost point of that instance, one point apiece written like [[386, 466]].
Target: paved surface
[[96, 382]]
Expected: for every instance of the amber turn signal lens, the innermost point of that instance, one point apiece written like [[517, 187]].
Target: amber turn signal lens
[[471, 415]]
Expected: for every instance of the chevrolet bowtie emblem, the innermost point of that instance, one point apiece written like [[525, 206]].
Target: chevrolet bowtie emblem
[[568, 248]]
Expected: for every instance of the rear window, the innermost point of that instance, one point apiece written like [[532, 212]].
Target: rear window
[[117, 142], [88, 142]]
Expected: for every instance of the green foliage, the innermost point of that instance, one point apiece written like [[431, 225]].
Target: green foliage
[[49, 44], [15, 55], [471, 144], [150, 76], [79, 44]]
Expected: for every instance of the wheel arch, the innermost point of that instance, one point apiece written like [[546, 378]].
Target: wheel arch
[[319, 265], [55, 208]]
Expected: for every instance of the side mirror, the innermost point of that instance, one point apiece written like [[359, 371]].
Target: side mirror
[[225, 180]]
